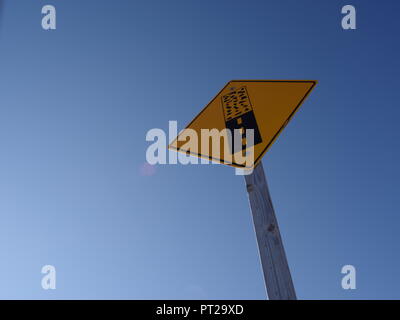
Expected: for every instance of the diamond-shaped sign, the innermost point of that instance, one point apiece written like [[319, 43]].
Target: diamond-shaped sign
[[265, 106]]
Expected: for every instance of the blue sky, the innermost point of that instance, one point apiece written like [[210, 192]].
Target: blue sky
[[76, 104]]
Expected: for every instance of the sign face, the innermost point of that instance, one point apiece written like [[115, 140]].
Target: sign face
[[265, 106]]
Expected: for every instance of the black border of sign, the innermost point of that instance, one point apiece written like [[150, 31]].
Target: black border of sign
[[314, 82]]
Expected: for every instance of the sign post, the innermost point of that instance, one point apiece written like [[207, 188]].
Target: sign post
[[265, 107], [278, 280]]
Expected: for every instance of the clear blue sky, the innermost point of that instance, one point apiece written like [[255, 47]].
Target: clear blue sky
[[77, 102]]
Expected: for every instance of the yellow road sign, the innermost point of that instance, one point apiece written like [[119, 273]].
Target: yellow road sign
[[265, 106]]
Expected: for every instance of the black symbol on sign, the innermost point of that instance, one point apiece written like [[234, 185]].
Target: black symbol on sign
[[238, 114]]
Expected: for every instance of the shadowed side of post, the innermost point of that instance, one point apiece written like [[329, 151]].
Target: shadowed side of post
[[276, 271]]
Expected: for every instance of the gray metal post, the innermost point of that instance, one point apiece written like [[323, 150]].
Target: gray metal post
[[276, 271]]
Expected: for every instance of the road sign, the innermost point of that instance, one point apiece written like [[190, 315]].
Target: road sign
[[266, 106]]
